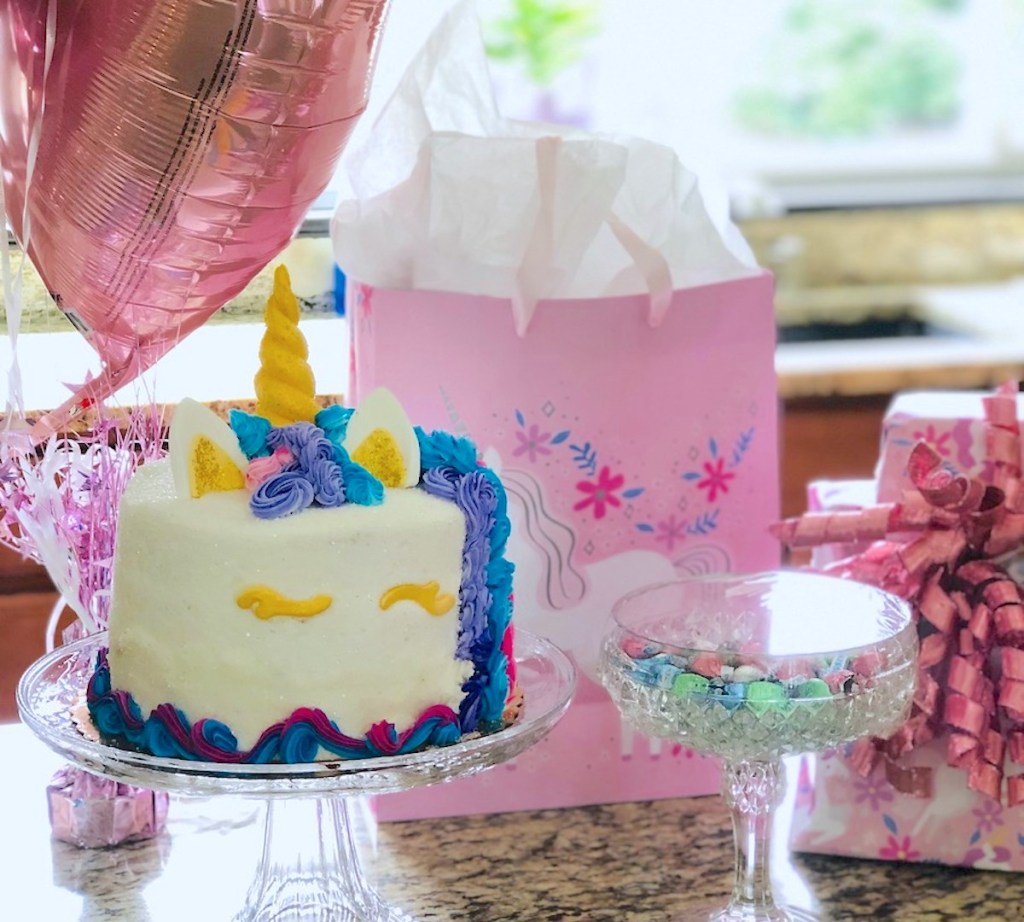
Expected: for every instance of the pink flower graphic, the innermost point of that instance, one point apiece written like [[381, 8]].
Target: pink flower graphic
[[601, 493], [873, 791], [897, 850], [939, 442], [671, 531], [532, 443], [992, 857], [717, 479], [989, 815]]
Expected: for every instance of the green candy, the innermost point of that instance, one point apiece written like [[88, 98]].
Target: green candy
[[765, 696], [814, 688], [689, 683]]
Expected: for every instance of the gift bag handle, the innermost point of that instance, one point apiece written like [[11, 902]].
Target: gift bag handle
[[651, 264], [647, 260]]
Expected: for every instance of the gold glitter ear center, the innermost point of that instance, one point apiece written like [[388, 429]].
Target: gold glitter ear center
[[211, 470], [380, 455]]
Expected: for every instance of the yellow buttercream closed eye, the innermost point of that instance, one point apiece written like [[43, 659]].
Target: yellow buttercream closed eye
[[427, 595], [266, 603]]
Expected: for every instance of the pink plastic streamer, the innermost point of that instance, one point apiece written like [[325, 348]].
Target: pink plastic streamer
[[938, 547]]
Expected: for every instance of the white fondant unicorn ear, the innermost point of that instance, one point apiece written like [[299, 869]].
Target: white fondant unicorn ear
[[381, 439], [205, 457]]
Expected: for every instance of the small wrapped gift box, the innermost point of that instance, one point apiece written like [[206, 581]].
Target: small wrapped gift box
[[93, 812], [948, 786], [952, 423]]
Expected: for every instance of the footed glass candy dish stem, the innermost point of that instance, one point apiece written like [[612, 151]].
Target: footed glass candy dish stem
[[751, 791], [310, 870]]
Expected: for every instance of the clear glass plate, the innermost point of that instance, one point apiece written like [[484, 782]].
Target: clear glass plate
[[53, 689]]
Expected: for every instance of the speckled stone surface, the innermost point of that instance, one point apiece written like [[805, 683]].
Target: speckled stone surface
[[651, 862], [636, 862]]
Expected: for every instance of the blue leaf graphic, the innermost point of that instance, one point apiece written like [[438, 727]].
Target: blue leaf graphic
[[585, 457], [560, 437], [629, 494], [520, 419], [691, 475], [643, 526], [703, 524], [713, 447], [1020, 839], [890, 823], [975, 837]]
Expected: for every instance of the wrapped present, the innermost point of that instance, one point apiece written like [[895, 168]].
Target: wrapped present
[[93, 812], [952, 423], [948, 786]]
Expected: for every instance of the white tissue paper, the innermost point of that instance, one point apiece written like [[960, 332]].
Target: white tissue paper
[[447, 195]]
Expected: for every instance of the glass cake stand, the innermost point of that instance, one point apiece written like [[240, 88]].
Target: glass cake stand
[[309, 868]]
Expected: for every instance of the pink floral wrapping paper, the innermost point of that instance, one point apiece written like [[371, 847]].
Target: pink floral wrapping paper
[[840, 812], [949, 787], [950, 422]]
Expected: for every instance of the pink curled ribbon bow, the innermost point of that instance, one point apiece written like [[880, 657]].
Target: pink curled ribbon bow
[[941, 547]]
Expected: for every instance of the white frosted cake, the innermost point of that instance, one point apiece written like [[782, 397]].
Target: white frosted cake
[[306, 583]]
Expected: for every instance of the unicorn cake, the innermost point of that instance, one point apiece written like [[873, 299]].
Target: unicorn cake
[[306, 583]]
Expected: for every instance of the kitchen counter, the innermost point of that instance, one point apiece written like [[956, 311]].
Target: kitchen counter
[[624, 862]]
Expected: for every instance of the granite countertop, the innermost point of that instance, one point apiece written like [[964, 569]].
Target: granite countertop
[[636, 861]]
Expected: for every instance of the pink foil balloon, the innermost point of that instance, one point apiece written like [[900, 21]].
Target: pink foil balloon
[[157, 154]]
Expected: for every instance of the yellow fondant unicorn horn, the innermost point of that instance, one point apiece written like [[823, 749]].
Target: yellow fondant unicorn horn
[[285, 388]]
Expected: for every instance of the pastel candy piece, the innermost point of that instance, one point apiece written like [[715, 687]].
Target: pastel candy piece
[[868, 664], [733, 694], [707, 664], [689, 683], [756, 661], [765, 696], [814, 688], [645, 673], [665, 675], [680, 662], [659, 659], [635, 648], [836, 680], [747, 674], [792, 669]]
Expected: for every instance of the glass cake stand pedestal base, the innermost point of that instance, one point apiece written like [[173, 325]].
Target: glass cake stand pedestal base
[[309, 869]]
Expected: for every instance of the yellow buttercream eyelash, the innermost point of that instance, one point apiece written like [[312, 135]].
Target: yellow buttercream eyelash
[[266, 603], [427, 595]]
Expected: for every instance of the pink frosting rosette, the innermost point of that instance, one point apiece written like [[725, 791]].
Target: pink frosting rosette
[[944, 547]]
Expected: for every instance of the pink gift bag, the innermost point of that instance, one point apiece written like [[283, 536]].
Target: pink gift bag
[[633, 449]]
